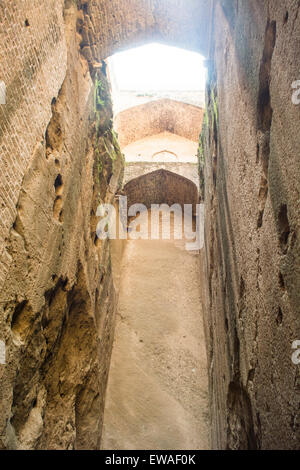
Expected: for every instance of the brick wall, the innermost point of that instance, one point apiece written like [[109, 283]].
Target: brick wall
[[33, 60], [159, 116], [113, 25], [161, 187]]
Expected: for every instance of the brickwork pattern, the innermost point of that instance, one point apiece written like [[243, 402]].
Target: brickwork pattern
[[110, 26], [33, 60], [159, 116], [161, 187]]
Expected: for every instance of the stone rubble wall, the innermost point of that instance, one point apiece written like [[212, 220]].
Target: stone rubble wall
[[33, 57], [251, 170]]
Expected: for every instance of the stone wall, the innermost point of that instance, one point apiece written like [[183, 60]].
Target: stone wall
[[251, 175], [59, 159]]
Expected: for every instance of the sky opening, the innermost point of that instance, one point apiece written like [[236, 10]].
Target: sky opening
[[156, 67]]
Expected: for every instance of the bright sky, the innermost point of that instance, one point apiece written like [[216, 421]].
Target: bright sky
[[158, 67]]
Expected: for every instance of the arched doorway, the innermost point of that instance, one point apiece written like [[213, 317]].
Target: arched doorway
[[161, 187]]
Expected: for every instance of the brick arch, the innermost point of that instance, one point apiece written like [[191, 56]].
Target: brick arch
[[161, 187], [108, 27], [158, 116], [156, 157]]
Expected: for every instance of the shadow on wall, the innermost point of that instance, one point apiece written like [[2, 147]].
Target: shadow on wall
[[161, 187]]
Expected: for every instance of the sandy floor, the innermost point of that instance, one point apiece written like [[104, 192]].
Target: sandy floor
[[157, 396]]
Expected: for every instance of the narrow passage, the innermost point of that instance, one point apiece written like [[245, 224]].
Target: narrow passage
[[157, 396]]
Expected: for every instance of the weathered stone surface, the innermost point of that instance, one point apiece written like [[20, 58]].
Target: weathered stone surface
[[33, 66], [57, 301], [252, 176], [158, 116], [109, 26]]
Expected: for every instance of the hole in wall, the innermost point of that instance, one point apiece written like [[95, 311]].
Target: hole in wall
[[58, 185], [281, 281], [264, 108], [265, 111], [279, 317], [262, 196], [260, 219], [57, 208], [17, 314], [284, 227], [34, 403], [26, 22], [54, 132], [286, 17]]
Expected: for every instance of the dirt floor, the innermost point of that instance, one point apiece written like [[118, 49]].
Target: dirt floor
[[157, 396]]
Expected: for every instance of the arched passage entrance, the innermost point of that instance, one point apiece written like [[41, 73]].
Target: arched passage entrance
[[159, 347], [56, 93], [107, 27], [157, 394], [253, 285], [161, 187]]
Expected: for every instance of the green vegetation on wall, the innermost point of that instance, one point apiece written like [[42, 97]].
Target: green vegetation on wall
[[201, 153], [214, 102], [99, 103], [107, 153], [209, 127]]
